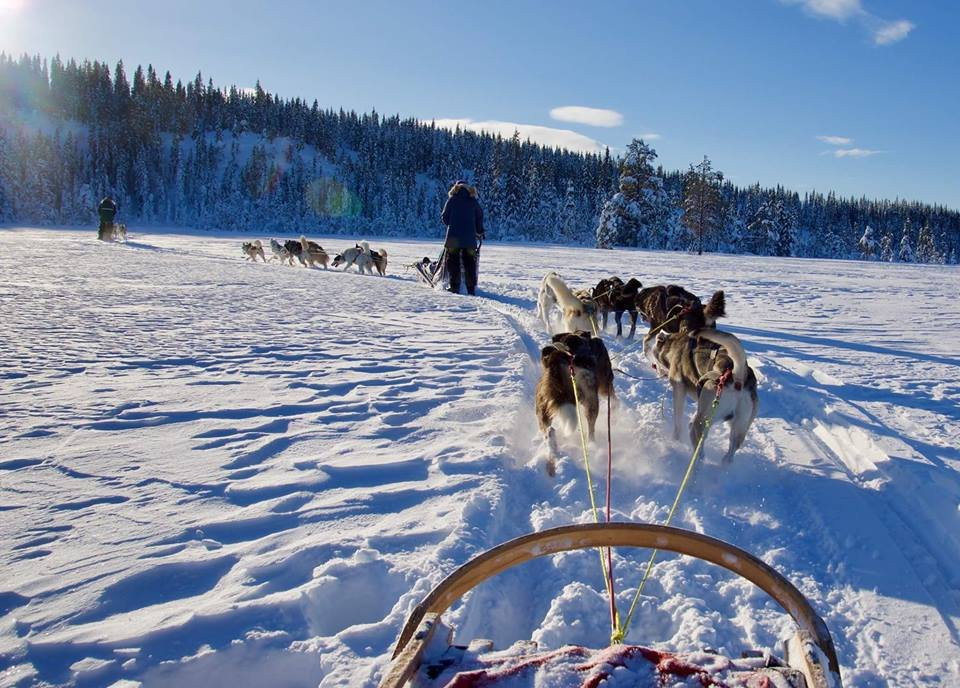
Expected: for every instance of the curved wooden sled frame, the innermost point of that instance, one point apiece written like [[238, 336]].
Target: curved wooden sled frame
[[813, 631]]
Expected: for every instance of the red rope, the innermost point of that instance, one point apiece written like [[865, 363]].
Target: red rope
[[614, 621]]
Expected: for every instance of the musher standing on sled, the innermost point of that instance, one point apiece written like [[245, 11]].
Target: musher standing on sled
[[107, 211], [464, 220]]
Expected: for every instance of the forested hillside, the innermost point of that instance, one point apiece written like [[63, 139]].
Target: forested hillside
[[197, 154]]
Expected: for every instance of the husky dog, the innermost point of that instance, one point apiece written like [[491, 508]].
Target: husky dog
[[119, 232], [604, 294], [252, 249], [312, 253], [571, 355], [659, 304], [613, 295], [295, 249], [697, 360], [554, 292], [379, 258], [359, 255], [280, 252]]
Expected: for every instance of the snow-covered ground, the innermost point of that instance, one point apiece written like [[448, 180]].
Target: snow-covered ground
[[218, 473]]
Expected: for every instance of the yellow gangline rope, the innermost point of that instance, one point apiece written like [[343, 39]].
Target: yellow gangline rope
[[621, 632]]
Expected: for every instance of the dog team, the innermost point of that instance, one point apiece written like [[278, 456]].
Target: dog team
[[310, 253], [683, 344]]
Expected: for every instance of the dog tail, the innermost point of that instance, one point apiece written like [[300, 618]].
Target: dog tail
[[383, 252], [732, 345], [365, 246], [257, 243]]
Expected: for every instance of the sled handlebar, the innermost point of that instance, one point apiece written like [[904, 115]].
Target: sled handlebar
[[565, 538]]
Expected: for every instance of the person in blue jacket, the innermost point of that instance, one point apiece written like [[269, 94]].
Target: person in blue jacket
[[107, 210], [464, 220]]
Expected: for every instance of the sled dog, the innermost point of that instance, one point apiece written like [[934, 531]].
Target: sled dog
[[312, 253], [359, 255], [614, 296], [295, 249], [696, 360], [379, 258], [119, 232], [571, 355], [659, 304], [280, 252], [252, 249], [555, 293]]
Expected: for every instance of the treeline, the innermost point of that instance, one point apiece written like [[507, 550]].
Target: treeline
[[199, 155]]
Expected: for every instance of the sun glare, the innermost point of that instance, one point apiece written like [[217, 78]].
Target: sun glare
[[11, 6]]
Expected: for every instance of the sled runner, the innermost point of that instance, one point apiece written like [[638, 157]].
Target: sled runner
[[425, 656]]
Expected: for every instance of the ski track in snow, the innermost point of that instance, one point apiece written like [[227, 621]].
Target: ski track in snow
[[218, 473]]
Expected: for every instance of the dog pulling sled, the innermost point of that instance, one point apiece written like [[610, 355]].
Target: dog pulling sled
[[425, 657]]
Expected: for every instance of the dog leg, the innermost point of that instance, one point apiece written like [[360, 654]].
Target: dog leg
[[698, 426], [618, 316], [742, 419], [633, 324], [606, 316], [679, 397], [552, 452]]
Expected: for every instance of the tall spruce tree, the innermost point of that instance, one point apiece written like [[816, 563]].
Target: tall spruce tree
[[702, 204], [633, 215]]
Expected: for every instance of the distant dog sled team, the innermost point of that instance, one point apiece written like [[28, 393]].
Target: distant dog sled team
[[683, 343]]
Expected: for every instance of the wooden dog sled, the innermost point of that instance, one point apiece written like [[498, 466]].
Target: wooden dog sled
[[425, 657]]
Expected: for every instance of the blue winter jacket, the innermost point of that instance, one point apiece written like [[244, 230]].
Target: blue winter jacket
[[463, 217]]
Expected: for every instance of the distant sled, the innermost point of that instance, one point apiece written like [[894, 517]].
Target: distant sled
[[432, 272], [425, 655]]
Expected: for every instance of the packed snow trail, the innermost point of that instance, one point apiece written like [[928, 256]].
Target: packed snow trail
[[221, 473]]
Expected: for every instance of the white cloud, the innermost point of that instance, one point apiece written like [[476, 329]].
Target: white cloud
[[836, 140], [854, 152], [595, 117], [547, 136], [834, 9], [650, 136], [882, 31], [891, 32]]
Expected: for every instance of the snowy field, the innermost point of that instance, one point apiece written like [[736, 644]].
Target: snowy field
[[217, 473]]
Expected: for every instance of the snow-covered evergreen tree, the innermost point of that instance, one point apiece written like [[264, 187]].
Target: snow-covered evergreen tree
[[886, 248], [633, 216], [905, 253], [926, 250], [868, 244]]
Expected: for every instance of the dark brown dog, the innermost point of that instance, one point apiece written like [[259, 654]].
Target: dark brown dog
[[572, 355], [698, 360], [659, 304]]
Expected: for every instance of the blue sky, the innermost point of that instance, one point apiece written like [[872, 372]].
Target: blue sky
[[751, 83]]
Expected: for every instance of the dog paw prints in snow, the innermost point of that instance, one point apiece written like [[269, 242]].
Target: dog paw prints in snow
[[347, 592]]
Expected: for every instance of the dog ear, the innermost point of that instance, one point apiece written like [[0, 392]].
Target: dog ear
[[716, 308], [547, 354]]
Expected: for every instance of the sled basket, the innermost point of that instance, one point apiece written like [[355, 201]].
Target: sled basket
[[432, 273], [425, 657]]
